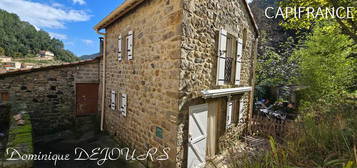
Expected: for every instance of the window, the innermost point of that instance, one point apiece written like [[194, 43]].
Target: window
[[123, 104], [129, 43], [119, 48], [112, 104], [229, 59]]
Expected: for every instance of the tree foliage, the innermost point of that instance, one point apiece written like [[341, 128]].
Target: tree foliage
[[324, 65], [20, 39], [347, 25], [276, 44]]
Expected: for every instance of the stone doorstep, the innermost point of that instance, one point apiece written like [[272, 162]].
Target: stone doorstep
[[16, 164]]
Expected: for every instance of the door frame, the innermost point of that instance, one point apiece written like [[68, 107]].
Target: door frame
[[200, 107]]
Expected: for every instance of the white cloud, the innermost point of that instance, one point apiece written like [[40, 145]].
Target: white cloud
[[88, 42], [58, 36], [80, 2], [42, 15]]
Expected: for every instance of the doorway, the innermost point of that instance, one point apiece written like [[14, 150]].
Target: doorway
[[86, 98], [197, 136]]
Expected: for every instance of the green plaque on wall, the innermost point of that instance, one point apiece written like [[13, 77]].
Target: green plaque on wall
[[159, 132]]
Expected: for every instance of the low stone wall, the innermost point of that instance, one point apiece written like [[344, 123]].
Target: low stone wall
[[49, 93], [19, 139]]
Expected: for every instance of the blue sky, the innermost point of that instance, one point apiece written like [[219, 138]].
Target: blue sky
[[71, 21]]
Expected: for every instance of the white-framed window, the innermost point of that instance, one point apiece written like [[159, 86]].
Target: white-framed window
[[120, 56], [123, 104], [130, 43], [229, 59], [112, 97]]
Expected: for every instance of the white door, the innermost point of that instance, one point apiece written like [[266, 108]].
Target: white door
[[197, 136]]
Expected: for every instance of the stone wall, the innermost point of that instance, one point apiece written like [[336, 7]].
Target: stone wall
[[49, 93], [150, 79], [202, 21]]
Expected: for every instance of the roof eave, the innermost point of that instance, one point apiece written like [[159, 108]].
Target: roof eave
[[118, 12]]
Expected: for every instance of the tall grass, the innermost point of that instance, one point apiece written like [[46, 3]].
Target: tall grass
[[326, 138]]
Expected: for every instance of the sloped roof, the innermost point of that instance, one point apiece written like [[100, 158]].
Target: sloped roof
[[130, 4]]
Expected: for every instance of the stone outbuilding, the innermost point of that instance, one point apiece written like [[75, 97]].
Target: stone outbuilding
[[54, 94], [178, 75]]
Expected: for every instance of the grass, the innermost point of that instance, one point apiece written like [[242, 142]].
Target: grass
[[20, 137]]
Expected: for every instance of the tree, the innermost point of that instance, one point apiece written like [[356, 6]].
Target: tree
[[323, 63], [274, 69], [276, 44], [347, 25], [21, 39]]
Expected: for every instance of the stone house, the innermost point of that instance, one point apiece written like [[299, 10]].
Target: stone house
[[46, 55], [178, 74]]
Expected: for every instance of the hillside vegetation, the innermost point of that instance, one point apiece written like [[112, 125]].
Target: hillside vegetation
[[19, 39]]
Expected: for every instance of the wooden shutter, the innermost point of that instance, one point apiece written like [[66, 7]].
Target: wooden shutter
[[229, 114], [129, 40], [123, 105], [222, 53], [241, 111], [112, 105], [119, 48], [239, 61]]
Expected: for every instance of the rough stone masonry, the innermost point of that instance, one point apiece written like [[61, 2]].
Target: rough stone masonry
[[174, 59], [49, 93]]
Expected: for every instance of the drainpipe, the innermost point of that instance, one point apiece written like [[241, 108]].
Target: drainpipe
[[103, 81]]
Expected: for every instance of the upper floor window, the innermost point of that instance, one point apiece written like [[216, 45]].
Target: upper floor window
[[229, 59], [126, 46]]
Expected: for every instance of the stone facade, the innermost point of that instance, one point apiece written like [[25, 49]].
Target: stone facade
[[49, 93], [175, 58], [202, 21], [150, 79]]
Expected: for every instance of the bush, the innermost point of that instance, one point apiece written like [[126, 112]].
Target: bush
[[326, 140]]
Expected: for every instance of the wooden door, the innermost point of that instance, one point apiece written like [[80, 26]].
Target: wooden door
[[86, 98], [197, 136]]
